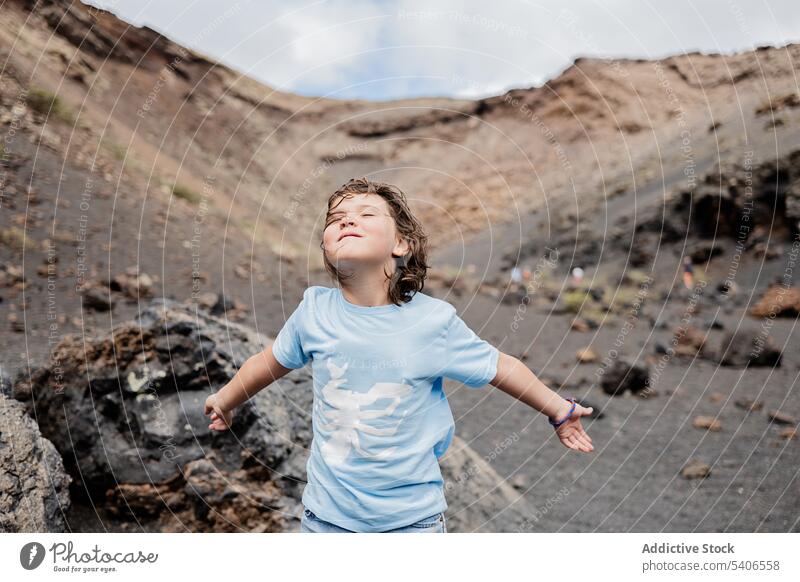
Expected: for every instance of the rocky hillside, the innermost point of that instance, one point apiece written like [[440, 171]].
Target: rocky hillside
[[154, 118]]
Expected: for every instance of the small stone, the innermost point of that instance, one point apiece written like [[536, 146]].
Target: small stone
[[788, 433], [716, 397], [781, 417], [707, 422], [206, 300], [696, 469], [94, 298], [659, 324], [586, 355], [17, 326], [690, 342], [518, 483], [133, 283], [580, 325], [749, 405], [222, 305]]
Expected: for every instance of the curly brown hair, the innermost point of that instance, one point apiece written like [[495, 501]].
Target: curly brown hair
[[412, 268]]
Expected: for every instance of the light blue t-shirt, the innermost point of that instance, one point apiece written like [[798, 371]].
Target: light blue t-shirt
[[380, 419]]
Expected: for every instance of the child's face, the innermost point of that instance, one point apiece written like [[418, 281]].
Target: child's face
[[360, 231]]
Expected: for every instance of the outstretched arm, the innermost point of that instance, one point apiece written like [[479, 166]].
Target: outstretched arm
[[256, 373], [516, 379]]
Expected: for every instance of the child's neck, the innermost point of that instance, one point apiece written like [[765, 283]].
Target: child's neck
[[367, 291]]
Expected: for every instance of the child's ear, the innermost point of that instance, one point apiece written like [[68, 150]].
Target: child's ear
[[401, 248]]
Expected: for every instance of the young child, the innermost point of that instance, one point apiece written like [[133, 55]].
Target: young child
[[688, 272], [380, 349]]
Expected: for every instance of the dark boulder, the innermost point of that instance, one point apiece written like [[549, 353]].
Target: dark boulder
[[624, 375], [127, 407]]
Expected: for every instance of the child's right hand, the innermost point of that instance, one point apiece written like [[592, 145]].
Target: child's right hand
[[220, 419]]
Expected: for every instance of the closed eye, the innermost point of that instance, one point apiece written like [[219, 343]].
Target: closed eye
[[336, 217]]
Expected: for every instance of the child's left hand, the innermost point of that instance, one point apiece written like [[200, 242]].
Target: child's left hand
[[572, 433]]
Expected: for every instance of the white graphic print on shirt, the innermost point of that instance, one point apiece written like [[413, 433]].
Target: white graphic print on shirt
[[346, 419]]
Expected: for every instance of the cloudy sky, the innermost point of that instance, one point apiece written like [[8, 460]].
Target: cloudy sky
[[379, 49]]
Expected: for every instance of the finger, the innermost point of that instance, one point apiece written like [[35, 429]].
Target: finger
[[571, 442], [587, 446], [579, 444]]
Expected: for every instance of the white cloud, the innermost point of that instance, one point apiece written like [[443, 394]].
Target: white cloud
[[467, 48]]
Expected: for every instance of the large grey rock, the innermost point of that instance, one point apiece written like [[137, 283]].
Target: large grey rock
[[126, 412], [34, 487], [478, 498]]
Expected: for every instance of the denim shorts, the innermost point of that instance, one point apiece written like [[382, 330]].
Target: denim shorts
[[310, 523]]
